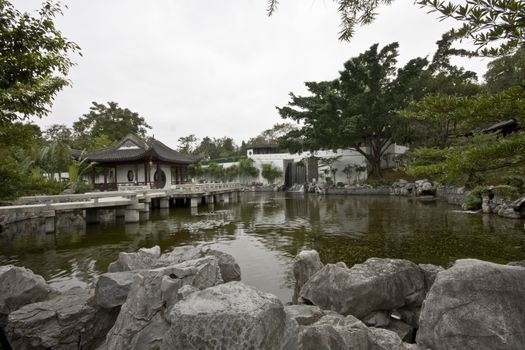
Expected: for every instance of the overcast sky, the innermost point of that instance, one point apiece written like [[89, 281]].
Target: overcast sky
[[218, 68]]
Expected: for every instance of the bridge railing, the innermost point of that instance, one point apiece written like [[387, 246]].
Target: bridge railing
[[65, 198]]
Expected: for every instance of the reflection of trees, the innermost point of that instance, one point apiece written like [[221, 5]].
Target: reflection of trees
[[342, 228]]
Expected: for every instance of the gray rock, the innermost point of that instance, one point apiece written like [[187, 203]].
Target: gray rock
[[186, 290], [409, 315], [475, 305], [304, 315], [405, 331], [377, 319], [141, 323], [520, 263], [69, 321], [144, 258], [230, 270], [180, 254], [112, 288], [430, 272], [334, 333], [375, 285], [305, 265], [18, 287], [229, 316], [383, 339]]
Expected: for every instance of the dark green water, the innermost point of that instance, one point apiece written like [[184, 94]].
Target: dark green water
[[266, 230]]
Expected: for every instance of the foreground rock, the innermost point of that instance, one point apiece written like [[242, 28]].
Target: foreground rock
[[375, 285], [305, 265], [230, 316], [68, 321], [112, 288], [475, 305], [18, 287], [304, 315], [335, 332], [141, 323], [151, 258]]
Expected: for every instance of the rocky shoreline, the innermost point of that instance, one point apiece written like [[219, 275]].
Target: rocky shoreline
[[192, 298]]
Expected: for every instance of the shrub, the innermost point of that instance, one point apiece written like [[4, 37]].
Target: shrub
[[472, 201]]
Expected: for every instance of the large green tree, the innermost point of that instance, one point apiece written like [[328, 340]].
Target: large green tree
[[34, 60], [495, 27], [105, 124], [506, 71], [359, 109]]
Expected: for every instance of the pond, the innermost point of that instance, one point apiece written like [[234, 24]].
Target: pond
[[264, 231]]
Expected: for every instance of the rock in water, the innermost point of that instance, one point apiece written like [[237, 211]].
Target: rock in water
[[375, 285], [475, 305], [18, 287], [144, 258], [141, 323], [334, 333], [305, 265], [112, 288], [230, 316], [68, 321]]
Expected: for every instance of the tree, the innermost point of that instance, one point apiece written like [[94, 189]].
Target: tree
[[357, 110], [496, 27], [187, 144], [270, 173], [505, 72], [35, 61], [273, 135], [247, 169], [472, 157], [112, 121], [329, 162], [59, 132]]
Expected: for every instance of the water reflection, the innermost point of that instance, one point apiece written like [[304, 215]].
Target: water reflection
[[264, 231]]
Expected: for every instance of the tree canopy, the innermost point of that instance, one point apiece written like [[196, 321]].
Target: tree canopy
[[359, 109], [104, 125], [35, 61], [495, 27]]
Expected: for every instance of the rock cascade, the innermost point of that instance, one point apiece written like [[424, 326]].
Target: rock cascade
[[142, 322]]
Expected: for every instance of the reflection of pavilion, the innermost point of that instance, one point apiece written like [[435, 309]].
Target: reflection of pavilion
[[134, 161]]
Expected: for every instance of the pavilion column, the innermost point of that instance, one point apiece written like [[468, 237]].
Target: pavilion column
[[136, 174]]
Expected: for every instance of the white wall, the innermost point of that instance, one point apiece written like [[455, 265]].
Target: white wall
[[348, 157]]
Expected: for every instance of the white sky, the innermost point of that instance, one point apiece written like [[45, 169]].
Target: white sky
[[218, 68]]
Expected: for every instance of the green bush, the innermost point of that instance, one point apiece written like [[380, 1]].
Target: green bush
[[506, 192], [515, 181], [340, 184], [472, 201]]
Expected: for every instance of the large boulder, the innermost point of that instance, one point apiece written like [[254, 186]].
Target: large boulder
[[230, 316], [475, 305], [305, 265], [334, 333], [144, 258], [375, 285], [180, 254], [141, 323], [69, 321], [18, 287], [112, 288]]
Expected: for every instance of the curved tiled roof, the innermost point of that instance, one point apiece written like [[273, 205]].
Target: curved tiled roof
[[139, 150]]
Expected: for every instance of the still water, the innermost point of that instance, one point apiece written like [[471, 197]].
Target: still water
[[266, 230]]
